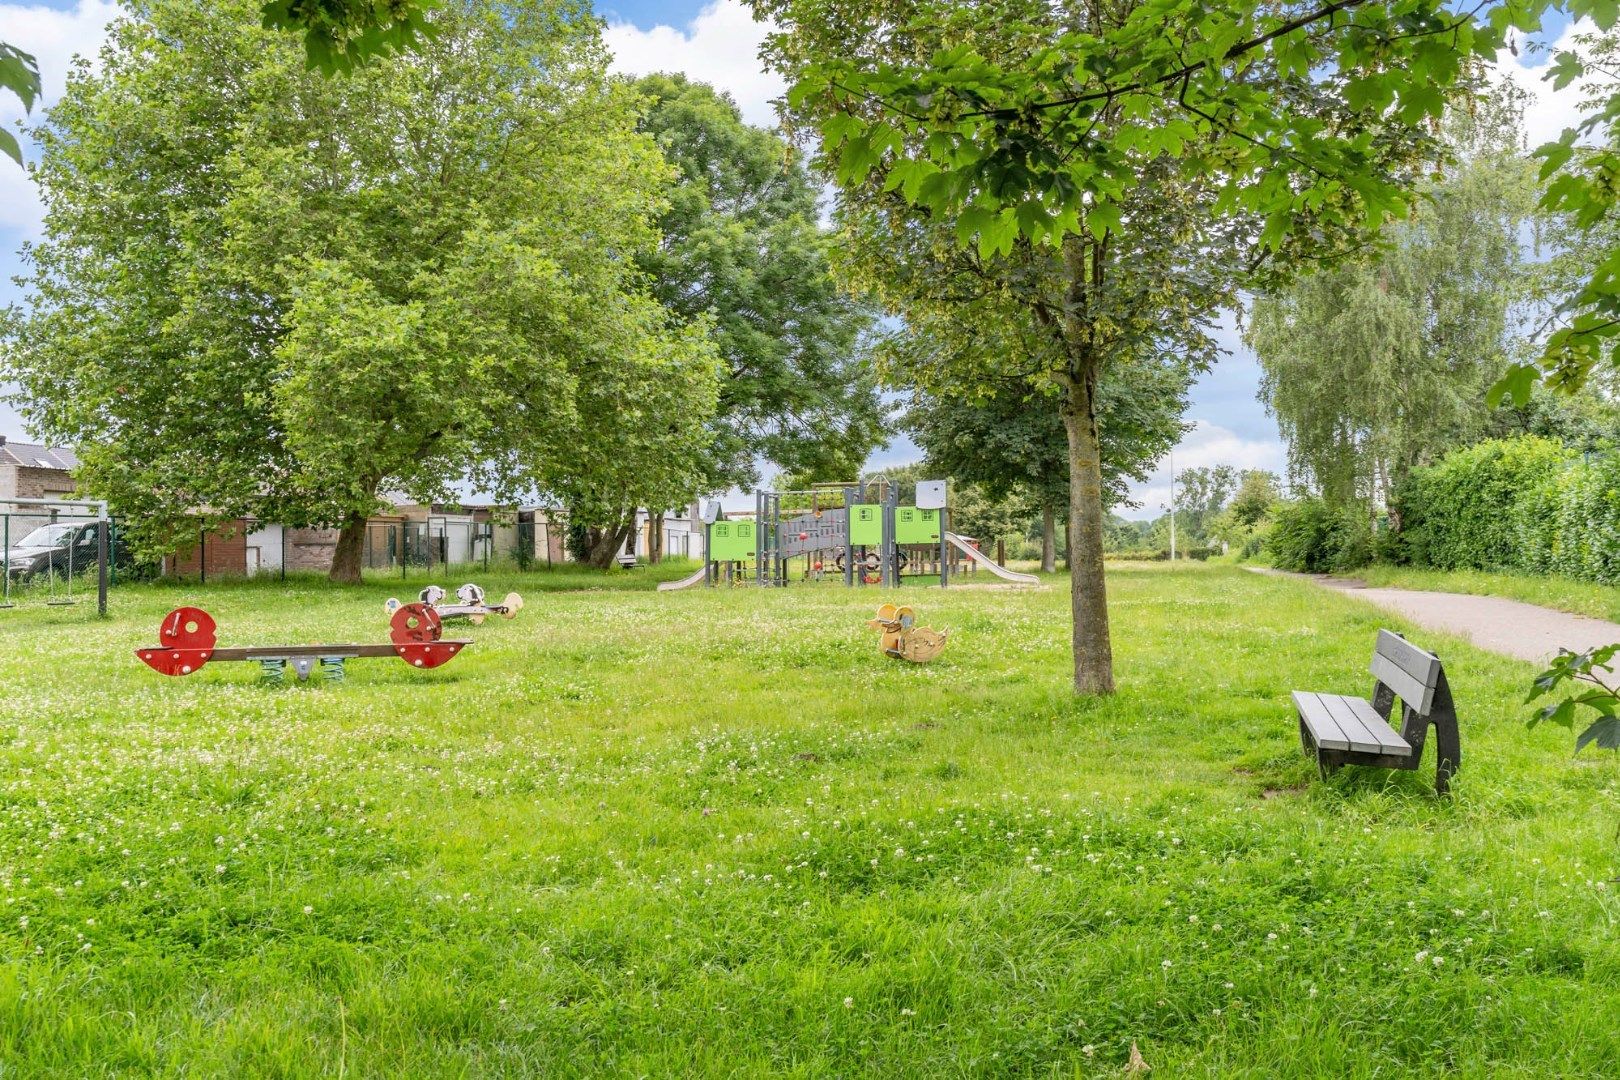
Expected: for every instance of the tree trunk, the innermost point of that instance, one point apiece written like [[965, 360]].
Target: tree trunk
[[605, 544], [347, 556], [655, 537], [1048, 539], [1088, 594]]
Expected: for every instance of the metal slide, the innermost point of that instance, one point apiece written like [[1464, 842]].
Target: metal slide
[[988, 563], [685, 582]]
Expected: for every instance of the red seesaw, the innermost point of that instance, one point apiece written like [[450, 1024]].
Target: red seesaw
[[187, 643]]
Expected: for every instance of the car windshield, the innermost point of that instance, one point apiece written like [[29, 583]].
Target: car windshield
[[49, 536]]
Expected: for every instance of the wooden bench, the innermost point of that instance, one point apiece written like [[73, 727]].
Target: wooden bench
[[626, 562], [1340, 730]]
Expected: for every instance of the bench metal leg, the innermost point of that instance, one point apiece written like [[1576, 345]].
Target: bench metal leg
[[1325, 767]]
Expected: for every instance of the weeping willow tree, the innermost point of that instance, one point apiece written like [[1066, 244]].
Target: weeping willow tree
[[1377, 365]]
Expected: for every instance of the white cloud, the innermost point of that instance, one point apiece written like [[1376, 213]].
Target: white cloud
[[54, 37], [1207, 444], [1549, 111], [720, 46]]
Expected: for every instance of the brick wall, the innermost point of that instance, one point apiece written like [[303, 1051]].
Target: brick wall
[[223, 552], [311, 549], [26, 483]]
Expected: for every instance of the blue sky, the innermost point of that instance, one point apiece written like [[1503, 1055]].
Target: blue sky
[[716, 41]]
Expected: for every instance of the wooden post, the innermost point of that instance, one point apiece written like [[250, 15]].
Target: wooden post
[[1001, 552]]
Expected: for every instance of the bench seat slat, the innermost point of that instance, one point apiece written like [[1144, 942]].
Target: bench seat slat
[[1340, 722], [1325, 730], [1378, 727], [1356, 732]]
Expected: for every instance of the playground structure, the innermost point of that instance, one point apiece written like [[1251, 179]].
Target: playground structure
[[903, 639], [58, 541], [858, 531], [187, 635], [470, 604]]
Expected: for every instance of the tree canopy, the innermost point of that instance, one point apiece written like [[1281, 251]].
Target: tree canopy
[[266, 293], [1013, 444], [1377, 365], [743, 248]]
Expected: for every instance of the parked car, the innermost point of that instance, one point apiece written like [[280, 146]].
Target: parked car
[[63, 545]]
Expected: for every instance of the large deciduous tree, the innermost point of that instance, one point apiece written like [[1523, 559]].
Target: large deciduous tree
[[743, 247], [266, 293], [1109, 176], [1377, 365]]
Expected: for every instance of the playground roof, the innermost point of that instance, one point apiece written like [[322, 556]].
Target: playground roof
[[30, 456]]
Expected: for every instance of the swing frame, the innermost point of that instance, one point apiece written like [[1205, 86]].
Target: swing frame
[[103, 524]]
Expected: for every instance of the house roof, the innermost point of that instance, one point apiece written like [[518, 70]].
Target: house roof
[[31, 456]]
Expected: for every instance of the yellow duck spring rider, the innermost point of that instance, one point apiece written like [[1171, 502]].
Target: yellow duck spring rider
[[903, 639]]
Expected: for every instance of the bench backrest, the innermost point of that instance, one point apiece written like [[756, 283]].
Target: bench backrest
[[1407, 670]]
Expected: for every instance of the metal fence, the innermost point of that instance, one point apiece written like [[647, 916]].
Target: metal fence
[[436, 542]]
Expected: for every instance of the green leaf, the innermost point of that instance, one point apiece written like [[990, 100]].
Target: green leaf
[[1554, 156], [970, 222], [19, 73], [1514, 386], [998, 234], [1033, 220], [1103, 218], [1605, 732], [9, 147], [1561, 713]]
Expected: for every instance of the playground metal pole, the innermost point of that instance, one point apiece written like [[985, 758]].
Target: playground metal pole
[[850, 497], [944, 550], [6, 602], [891, 550], [101, 567]]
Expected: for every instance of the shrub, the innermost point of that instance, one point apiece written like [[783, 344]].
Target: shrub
[[1466, 511], [1197, 553], [1569, 523], [1311, 536]]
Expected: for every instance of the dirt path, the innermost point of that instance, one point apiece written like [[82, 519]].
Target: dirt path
[[1523, 631]]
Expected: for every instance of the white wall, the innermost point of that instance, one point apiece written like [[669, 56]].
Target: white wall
[[264, 550]]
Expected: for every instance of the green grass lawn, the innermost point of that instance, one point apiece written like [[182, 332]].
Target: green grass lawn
[[1565, 594], [715, 832]]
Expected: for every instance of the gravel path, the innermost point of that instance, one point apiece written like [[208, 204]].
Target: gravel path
[[1523, 631]]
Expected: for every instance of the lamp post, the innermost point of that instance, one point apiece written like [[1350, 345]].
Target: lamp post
[[1172, 506]]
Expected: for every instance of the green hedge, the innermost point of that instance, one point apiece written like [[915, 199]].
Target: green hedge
[[1569, 523], [1471, 510], [1312, 537], [1525, 505], [1198, 553]]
